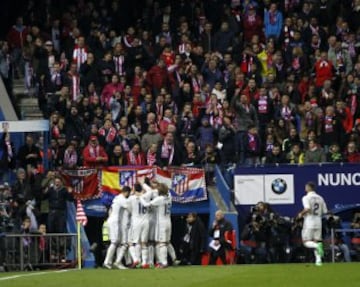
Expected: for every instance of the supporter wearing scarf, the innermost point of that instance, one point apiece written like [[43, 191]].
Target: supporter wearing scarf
[[108, 132], [70, 157], [135, 156], [150, 157], [94, 155], [167, 149]]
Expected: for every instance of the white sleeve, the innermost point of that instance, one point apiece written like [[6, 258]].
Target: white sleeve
[[147, 188], [144, 202], [157, 201], [125, 203], [148, 194], [325, 210], [129, 205], [306, 203]]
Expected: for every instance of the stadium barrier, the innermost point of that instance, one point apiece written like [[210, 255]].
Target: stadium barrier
[[354, 243], [40, 251]]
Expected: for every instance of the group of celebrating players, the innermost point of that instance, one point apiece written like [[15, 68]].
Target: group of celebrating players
[[140, 225]]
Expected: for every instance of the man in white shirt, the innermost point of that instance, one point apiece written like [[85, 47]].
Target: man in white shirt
[[118, 222], [314, 208]]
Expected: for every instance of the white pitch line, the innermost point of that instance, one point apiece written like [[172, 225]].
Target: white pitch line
[[32, 274]]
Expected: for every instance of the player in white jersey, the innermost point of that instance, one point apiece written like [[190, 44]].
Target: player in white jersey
[[124, 226], [314, 209], [139, 227], [163, 222], [118, 225], [152, 219]]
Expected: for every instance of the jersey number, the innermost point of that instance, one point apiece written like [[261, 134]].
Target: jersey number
[[142, 209], [316, 209]]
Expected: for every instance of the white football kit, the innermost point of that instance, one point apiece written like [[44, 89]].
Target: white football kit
[[139, 218], [312, 227]]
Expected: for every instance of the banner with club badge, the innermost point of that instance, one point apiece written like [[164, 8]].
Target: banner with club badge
[[84, 182], [185, 184]]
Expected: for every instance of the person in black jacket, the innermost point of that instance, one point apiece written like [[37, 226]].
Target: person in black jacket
[[169, 152], [219, 244], [193, 242], [57, 194], [7, 156]]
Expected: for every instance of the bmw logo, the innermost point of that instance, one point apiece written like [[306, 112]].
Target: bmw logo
[[279, 186]]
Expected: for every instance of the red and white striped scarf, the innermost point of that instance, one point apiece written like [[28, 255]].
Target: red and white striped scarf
[[252, 142], [134, 159], [79, 56], [150, 158], [109, 134], [70, 158], [94, 151], [75, 89], [167, 151], [119, 65], [272, 17], [251, 18]]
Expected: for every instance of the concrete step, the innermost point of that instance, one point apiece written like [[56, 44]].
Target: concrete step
[[32, 116], [28, 101]]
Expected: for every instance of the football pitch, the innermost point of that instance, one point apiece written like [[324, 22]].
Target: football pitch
[[277, 275]]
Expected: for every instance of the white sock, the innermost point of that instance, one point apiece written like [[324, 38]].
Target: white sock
[[157, 253], [145, 255], [120, 254], [317, 256], [163, 254], [110, 254], [151, 254], [171, 251], [310, 244], [128, 258], [138, 251], [133, 254]]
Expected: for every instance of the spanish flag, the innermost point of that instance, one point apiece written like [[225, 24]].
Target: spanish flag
[[113, 179]]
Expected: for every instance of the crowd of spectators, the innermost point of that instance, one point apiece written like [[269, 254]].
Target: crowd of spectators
[[191, 83]]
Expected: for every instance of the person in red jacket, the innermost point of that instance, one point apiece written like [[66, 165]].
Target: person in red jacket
[[324, 70], [16, 39], [158, 77], [344, 114], [253, 25], [110, 90], [94, 155], [351, 154]]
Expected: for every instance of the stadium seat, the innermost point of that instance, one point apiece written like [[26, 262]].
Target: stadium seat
[[230, 236]]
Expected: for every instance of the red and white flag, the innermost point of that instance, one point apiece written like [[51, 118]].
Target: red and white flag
[[80, 214], [185, 184]]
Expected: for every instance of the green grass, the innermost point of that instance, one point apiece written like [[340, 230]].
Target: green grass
[[276, 275]]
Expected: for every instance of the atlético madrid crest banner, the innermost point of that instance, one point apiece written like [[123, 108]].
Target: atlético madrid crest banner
[[185, 184], [85, 183]]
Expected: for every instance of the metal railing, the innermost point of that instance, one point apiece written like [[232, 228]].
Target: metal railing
[[40, 251]]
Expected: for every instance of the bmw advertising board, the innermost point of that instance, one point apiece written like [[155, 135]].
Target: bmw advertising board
[[283, 186]]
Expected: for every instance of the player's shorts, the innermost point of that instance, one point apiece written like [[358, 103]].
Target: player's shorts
[[152, 227], [113, 232], [311, 234], [163, 232], [124, 234], [139, 232]]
